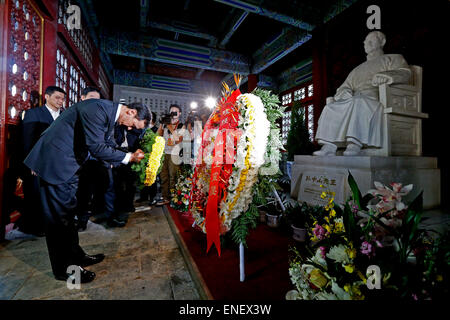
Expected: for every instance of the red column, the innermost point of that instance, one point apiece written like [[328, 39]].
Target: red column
[[50, 41], [3, 107], [319, 69], [252, 82]]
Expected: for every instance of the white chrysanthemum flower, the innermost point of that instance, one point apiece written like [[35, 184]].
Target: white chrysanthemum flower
[[339, 254]]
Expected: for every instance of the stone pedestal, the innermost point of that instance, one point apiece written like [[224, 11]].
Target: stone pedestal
[[308, 172]]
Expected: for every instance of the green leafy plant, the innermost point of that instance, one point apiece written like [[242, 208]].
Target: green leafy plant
[[298, 215], [298, 141]]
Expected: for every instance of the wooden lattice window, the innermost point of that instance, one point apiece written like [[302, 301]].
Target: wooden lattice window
[[61, 71], [24, 57], [303, 93], [69, 76], [80, 37], [104, 83]]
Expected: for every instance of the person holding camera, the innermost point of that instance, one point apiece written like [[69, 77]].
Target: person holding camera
[[172, 130]]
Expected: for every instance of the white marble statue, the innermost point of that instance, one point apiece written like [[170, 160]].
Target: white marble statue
[[353, 118]]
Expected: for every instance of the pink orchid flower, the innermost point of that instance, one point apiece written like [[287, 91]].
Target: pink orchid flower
[[389, 199]]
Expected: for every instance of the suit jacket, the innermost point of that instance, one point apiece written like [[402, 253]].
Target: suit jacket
[[133, 137], [84, 130], [36, 121]]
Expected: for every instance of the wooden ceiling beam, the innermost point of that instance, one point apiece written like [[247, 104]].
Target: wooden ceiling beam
[[251, 8], [236, 22]]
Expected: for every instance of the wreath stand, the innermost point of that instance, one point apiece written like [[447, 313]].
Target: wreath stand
[[241, 246]]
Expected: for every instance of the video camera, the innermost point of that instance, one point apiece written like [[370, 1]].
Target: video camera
[[167, 118]]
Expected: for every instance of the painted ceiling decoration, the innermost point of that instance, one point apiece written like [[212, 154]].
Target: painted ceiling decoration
[[175, 52], [145, 80], [206, 40]]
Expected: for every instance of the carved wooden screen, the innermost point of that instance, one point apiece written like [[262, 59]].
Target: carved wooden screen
[[24, 64]]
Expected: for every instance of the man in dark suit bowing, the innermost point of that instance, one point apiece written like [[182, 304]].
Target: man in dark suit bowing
[[83, 131], [35, 121]]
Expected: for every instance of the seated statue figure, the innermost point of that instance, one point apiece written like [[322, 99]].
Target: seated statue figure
[[353, 118]]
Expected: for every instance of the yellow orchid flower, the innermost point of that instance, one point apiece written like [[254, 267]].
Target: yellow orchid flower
[[349, 268]]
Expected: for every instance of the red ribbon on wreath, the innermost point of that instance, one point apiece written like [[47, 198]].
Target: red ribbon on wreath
[[226, 116], [220, 170]]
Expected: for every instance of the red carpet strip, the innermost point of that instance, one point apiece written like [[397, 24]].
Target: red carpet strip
[[266, 262]]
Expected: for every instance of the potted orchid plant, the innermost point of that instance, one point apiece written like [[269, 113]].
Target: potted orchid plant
[[374, 232]]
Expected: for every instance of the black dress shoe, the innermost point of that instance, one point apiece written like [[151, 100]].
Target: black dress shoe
[[85, 276], [81, 226], [100, 218], [114, 223], [88, 260]]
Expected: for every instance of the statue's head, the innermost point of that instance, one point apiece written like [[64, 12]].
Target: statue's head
[[374, 41]]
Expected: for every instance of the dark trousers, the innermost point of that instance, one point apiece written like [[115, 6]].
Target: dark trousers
[[149, 193], [95, 190], [110, 194], [59, 204], [125, 188], [31, 220]]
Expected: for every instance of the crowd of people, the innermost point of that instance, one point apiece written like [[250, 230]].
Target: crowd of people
[[77, 168]]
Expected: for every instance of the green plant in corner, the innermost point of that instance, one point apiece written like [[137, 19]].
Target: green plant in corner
[[298, 141]]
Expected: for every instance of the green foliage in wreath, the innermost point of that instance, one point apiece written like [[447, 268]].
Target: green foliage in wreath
[[264, 186]]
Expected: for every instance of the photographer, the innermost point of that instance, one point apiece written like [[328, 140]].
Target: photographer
[[172, 130], [195, 122]]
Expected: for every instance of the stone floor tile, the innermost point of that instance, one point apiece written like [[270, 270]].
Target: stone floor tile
[[142, 261]]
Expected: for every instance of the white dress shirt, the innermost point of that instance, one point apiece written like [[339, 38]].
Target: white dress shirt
[[55, 114], [128, 155]]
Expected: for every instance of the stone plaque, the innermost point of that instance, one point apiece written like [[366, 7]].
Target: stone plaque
[[310, 189]]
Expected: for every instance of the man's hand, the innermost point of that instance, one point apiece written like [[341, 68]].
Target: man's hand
[[33, 173], [137, 156], [380, 79]]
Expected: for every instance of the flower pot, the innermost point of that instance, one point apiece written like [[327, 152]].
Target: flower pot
[[273, 221], [299, 234], [262, 216]]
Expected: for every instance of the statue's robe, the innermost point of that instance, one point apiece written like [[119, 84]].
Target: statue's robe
[[357, 112]]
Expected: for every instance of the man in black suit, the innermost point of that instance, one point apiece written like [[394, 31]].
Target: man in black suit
[[85, 130], [151, 191], [124, 177], [35, 121], [91, 176]]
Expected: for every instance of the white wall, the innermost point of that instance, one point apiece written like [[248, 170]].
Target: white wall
[[158, 100]]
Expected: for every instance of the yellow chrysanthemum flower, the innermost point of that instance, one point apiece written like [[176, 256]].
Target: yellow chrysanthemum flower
[[154, 161]]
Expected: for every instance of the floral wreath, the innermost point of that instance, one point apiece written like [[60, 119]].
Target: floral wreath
[[153, 147], [222, 182], [154, 161]]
